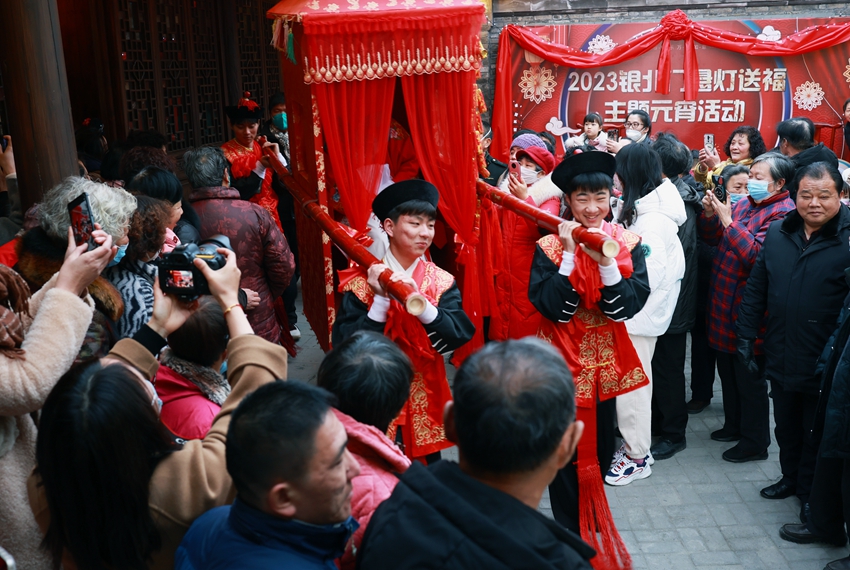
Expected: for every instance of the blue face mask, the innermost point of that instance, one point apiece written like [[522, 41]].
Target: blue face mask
[[735, 197], [280, 122], [758, 189], [122, 249]]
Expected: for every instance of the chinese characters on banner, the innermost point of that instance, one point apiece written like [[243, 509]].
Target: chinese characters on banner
[[734, 89]]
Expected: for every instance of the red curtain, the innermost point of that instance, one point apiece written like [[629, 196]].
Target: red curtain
[[675, 26], [355, 119], [440, 110]]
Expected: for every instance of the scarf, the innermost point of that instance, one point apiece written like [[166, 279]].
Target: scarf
[[213, 385], [14, 300]]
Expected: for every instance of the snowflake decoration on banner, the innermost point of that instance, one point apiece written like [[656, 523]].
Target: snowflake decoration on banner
[[847, 71], [808, 95], [600, 44], [537, 84]]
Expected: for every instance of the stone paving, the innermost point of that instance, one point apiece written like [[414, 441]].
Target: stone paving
[[695, 511]]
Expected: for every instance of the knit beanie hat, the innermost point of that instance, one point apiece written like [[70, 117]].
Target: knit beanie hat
[[526, 140]]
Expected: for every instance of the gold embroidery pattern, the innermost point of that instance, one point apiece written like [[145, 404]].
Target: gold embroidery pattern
[[552, 247], [591, 318], [424, 432], [442, 281], [546, 337], [631, 239], [633, 378], [360, 287]]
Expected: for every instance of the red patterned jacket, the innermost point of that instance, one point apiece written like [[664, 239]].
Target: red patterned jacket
[[738, 246], [262, 252]]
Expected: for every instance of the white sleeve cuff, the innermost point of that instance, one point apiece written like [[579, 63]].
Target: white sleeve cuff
[[282, 160], [568, 263], [260, 170], [610, 274], [13, 176], [378, 310], [428, 315]]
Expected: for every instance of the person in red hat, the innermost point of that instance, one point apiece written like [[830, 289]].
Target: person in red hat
[[407, 211], [251, 172], [517, 317]]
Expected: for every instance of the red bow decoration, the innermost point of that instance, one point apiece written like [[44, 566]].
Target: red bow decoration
[[246, 102]]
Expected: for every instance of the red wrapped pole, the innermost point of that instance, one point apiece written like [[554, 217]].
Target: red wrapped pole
[[597, 242], [412, 299]]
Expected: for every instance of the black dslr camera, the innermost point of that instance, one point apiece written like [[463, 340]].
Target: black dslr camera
[[179, 276]]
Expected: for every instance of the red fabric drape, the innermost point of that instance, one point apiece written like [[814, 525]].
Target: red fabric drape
[[355, 119], [439, 108], [674, 26]]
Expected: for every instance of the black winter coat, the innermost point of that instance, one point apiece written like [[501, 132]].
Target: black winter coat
[[684, 316], [801, 286], [832, 421], [440, 518]]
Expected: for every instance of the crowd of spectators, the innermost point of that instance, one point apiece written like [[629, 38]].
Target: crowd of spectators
[[140, 428]]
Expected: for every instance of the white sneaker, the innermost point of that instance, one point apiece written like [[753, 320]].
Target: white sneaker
[[295, 333], [618, 455], [627, 470], [622, 451]]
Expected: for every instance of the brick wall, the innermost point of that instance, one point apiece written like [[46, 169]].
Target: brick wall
[[548, 12]]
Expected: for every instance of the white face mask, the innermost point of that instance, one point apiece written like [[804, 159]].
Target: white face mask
[[528, 175], [633, 135]]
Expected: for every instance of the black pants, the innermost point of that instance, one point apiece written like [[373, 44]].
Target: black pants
[[745, 402], [563, 491], [830, 498], [794, 413], [703, 358], [669, 413]]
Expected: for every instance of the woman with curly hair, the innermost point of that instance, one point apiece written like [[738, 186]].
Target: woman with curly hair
[[743, 147], [134, 277]]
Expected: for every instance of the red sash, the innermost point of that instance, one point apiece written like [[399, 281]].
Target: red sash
[[604, 364], [421, 419]]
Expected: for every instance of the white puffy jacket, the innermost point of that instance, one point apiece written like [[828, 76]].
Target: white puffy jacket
[[659, 215]]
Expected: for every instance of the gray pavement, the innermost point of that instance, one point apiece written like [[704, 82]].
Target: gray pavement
[[695, 511]]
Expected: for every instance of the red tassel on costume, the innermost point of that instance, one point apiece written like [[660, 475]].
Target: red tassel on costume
[[595, 520], [597, 524]]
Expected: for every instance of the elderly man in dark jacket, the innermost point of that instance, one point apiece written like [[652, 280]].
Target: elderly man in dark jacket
[[669, 406], [829, 502], [263, 254], [482, 512], [799, 282]]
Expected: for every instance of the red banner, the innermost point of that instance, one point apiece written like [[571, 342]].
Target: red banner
[[751, 72]]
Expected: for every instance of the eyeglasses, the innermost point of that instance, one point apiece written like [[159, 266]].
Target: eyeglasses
[[637, 126]]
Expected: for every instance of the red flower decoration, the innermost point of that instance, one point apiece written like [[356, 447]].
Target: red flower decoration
[[677, 25]]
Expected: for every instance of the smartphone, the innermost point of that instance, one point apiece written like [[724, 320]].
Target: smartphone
[[708, 141], [513, 168], [82, 220], [3, 143], [613, 135]]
